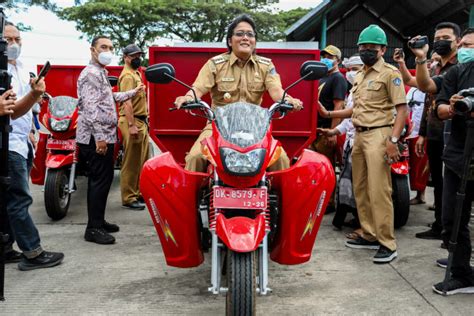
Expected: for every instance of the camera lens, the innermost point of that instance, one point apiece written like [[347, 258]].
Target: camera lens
[[463, 106]]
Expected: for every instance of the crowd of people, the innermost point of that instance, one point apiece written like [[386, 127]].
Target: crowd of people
[[369, 104]]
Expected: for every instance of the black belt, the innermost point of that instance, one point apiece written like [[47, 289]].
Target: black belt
[[143, 118], [369, 128]]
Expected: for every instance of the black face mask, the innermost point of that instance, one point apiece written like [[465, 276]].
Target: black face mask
[[442, 47], [368, 56], [136, 63]]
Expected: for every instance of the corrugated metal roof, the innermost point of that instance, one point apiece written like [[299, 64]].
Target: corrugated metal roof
[[405, 17]]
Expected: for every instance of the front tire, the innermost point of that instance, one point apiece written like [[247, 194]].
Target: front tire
[[241, 282], [401, 200], [56, 194]]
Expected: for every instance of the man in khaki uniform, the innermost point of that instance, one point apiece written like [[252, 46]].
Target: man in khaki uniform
[[239, 75], [378, 95], [134, 129]]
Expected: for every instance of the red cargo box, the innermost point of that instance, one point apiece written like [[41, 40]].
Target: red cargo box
[[177, 131]]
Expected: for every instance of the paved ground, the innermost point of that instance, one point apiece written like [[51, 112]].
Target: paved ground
[[131, 277]]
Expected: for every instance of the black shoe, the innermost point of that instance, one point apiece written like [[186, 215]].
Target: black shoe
[[13, 256], [429, 234], [454, 286], [99, 236], [443, 263], [135, 205], [384, 255], [141, 199], [361, 243], [110, 228], [46, 259]]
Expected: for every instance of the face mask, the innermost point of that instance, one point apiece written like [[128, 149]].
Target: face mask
[[368, 56], [13, 51], [105, 58], [442, 47], [328, 62], [350, 76], [136, 63], [465, 55]]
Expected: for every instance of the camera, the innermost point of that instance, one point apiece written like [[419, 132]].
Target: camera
[[418, 43], [465, 105]]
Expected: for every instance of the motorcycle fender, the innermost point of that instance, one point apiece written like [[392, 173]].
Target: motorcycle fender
[[56, 161], [304, 190], [38, 171], [241, 234], [171, 194], [400, 167]]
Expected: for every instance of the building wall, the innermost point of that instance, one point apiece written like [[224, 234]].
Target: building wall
[[345, 34]]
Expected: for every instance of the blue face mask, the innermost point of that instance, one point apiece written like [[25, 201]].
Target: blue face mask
[[328, 62], [465, 55]]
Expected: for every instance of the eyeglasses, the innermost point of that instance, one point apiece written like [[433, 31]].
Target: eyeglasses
[[249, 34]]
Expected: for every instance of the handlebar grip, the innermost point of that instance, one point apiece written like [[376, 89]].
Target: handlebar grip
[[173, 109]]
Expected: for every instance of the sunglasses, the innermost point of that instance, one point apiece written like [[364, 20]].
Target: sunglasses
[[249, 34]]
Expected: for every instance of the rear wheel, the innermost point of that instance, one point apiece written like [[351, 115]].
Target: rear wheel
[[56, 194], [401, 200], [241, 282]]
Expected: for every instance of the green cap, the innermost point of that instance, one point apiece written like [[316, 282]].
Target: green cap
[[372, 34]]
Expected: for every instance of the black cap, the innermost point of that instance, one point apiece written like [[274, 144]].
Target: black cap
[[132, 49]]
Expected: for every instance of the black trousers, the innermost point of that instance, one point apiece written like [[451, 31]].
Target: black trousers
[[435, 151], [461, 268], [101, 174]]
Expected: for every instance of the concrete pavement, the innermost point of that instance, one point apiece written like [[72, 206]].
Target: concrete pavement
[[131, 277]]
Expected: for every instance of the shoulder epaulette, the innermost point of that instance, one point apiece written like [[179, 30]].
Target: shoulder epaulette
[[391, 66], [219, 59], [264, 60]]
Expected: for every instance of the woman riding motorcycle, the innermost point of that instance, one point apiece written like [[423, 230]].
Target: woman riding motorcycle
[[238, 75]]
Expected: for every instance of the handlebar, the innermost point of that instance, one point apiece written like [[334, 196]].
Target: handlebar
[[199, 105]]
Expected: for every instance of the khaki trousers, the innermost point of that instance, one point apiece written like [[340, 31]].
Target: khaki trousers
[[373, 186], [195, 161], [135, 153]]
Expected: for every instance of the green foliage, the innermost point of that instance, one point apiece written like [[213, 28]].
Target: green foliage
[[20, 4], [142, 21]]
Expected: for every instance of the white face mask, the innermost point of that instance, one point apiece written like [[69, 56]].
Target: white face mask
[[350, 76], [13, 51], [105, 58]]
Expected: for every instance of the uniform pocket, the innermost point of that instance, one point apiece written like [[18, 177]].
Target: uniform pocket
[[256, 86], [375, 90]]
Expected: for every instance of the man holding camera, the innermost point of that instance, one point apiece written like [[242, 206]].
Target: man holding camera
[[448, 106], [446, 38]]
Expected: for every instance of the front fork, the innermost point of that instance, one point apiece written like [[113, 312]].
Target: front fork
[[217, 248]]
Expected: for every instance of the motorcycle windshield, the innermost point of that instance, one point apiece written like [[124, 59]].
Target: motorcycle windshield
[[62, 106], [242, 124]]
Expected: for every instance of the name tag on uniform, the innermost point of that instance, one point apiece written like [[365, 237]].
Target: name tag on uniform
[[228, 79]]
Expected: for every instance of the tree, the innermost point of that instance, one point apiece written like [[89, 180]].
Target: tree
[[142, 21], [18, 4]]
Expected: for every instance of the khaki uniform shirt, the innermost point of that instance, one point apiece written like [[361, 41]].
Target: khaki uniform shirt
[[375, 93], [228, 82], [130, 79]]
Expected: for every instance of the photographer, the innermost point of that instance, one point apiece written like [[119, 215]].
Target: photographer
[[456, 79], [429, 80]]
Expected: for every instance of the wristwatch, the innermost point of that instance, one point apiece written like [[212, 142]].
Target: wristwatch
[[393, 139], [421, 62]]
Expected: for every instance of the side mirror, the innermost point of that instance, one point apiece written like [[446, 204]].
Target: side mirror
[[313, 70], [160, 73], [113, 80]]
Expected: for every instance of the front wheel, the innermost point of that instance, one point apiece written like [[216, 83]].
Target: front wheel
[[401, 200], [56, 193], [241, 282]]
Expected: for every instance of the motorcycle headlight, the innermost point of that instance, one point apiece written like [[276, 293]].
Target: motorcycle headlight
[[59, 125], [247, 164]]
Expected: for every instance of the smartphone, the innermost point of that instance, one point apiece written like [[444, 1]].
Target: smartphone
[[400, 52], [44, 71], [418, 43]]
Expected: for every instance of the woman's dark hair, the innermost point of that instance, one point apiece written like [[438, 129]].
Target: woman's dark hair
[[233, 25]]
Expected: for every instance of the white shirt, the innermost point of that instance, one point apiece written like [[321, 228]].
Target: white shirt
[[346, 126], [21, 127], [416, 109]]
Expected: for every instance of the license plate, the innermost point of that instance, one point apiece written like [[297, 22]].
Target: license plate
[[59, 144], [254, 198]]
